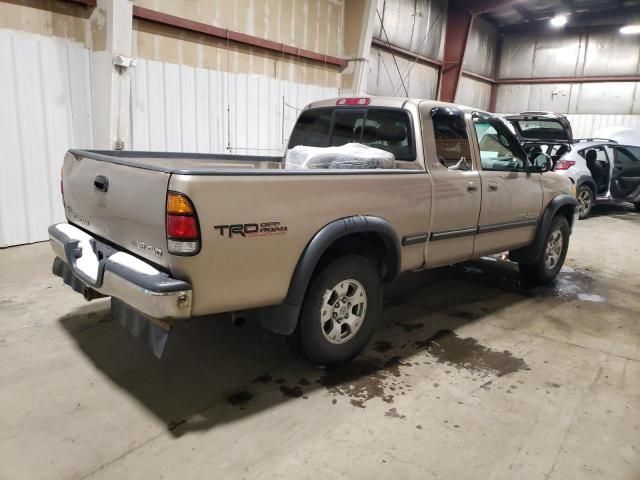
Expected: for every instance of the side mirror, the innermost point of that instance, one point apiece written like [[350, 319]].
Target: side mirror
[[541, 163]]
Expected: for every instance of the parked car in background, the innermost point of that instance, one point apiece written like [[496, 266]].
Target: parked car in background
[[604, 171]]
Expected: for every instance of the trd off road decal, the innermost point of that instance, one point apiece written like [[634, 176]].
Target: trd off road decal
[[251, 229]]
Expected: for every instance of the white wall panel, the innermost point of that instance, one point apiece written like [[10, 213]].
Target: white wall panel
[[482, 48], [585, 98], [45, 93], [182, 108], [384, 78], [473, 93], [587, 126]]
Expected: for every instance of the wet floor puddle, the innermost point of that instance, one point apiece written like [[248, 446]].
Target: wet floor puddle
[[572, 284], [380, 374]]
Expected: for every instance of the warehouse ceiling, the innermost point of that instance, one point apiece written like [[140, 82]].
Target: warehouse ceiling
[[535, 14]]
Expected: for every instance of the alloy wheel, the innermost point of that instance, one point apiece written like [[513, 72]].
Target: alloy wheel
[[343, 310]]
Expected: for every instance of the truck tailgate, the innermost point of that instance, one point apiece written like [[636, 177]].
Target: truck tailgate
[[123, 204]]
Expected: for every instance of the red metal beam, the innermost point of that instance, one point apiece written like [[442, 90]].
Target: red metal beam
[[236, 37], [459, 21], [477, 76], [405, 53], [601, 79]]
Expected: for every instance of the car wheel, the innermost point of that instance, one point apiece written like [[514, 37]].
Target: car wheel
[[637, 205], [585, 201], [339, 312], [547, 267]]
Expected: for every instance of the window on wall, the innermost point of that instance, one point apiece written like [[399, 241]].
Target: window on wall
[[452, 140], [499, 148]]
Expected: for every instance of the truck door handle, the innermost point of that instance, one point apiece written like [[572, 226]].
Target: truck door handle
[[101, 183], [492, 186], [472, 187]]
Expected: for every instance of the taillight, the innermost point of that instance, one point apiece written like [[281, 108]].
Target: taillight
[[183, 231], [564, 164], [353, 101]]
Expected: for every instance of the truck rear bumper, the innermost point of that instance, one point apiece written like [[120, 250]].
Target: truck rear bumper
[[142, 296]]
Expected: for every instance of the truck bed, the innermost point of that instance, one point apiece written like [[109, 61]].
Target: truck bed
[[182, 163]]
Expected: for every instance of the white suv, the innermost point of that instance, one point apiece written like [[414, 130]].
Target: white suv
[[602, 170]]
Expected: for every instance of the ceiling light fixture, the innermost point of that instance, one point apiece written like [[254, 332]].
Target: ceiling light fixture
[[558, 21], [630, 29]]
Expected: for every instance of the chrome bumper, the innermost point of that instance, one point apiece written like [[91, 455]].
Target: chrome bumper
[[142, 296]]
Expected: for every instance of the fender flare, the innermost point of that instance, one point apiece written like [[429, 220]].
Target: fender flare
[[531, 253], [283, 318], [589, 181]]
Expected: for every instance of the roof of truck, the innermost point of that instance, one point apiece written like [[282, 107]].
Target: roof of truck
[[394, 102]]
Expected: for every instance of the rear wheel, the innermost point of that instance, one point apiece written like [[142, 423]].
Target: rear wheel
[[340, 312], [585, 200], [637, 205], [547, 267]]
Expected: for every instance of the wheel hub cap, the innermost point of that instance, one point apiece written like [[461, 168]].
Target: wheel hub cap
[[553, 250], [584, 199], [343, 310]]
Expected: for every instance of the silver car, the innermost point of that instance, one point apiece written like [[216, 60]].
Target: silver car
[[603, 171]]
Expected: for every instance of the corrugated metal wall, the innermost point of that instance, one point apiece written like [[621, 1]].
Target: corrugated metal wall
[[570, 55], [586, 98], [385, 72], [473, 93], [413, 25], [587, 126], [45, 93], [188, 109], [480, 58], [482, 49]]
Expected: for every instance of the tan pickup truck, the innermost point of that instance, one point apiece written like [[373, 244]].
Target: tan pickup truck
[[307, 250]]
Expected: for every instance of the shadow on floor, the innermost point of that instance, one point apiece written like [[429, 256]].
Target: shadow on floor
[[624, 211], [213, 372]]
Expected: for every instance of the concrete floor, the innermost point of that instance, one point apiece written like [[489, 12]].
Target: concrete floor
[[469, 376]]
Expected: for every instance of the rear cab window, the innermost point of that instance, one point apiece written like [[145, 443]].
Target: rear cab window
[[389, 129]]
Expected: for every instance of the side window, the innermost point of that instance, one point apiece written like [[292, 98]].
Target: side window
[[626, 157], [600, 157], [452, 141], [499, 149]]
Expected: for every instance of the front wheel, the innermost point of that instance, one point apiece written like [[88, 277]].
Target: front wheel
[[548, 265], [340, 312], [585, 201]]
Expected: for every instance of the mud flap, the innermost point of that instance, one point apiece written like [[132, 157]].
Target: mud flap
[[151, 331]]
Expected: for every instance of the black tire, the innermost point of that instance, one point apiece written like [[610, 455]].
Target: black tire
[[637, 205], [585, 198], [541, 272], [311, 336]]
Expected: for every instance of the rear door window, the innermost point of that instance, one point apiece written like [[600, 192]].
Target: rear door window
[[384, 128], [452, 141]]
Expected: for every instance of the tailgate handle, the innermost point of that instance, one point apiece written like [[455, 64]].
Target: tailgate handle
[[101, 183]]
